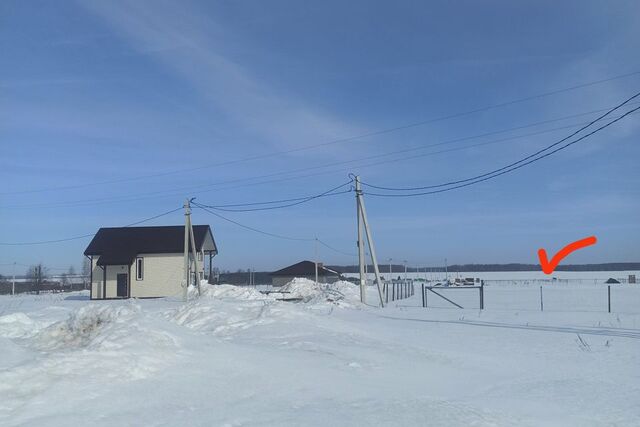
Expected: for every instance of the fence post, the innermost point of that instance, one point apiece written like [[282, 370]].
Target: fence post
[[423, 295], [541, 305], [482, 295], [609, 297]]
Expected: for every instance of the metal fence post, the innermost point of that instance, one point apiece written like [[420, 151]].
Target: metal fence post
[[423, 295], [609, 297], [482, 295], [541, 305]]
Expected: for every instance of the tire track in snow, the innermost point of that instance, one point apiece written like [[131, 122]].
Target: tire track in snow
[[633, 334]]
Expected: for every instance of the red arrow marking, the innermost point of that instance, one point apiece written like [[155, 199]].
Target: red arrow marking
[[549, 267]]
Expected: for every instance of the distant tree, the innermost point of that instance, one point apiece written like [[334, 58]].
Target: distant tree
[[86, 272], [64, 280], [36, 275], [70, 275]]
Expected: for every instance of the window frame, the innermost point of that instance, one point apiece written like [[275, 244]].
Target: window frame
[[139, 268]]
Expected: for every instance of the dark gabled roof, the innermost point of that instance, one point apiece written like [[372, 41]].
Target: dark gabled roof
[[305, 268], [119, 245]]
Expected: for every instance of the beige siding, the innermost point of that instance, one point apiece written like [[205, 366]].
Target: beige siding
[[97, 283], [163, 275], [96, 279]]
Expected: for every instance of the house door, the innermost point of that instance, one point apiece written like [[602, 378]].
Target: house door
[[122, 285]]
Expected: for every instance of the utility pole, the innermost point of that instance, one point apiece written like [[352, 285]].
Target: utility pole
[[39, 279], [405, 269], [362, 215], [361, 257], [195, 254], [187, 214], [315, 249]]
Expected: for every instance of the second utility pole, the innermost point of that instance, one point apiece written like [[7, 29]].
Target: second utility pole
[[364, 223], [187, 215]]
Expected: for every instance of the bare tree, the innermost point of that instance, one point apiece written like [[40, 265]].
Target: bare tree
[[64, 280], [36, 275], [86, 272], [70, 275]]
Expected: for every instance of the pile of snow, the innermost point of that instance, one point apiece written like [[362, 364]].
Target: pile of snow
[[18, 325], [232, 292], [340, 293], [83, 326], [222, 309]]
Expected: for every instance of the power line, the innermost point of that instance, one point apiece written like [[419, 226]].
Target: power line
[[335, 250], [84, 235], [486, 178], [266, 233], [370, 164], [180, 190], [519, 161], [293, 202], [335, 141]]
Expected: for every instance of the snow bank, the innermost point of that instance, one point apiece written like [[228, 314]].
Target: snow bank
[[18, 325], [222, 309], [232, 292], [83, 326], [341, 292]]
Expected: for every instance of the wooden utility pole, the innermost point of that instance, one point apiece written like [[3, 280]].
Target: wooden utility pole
[[363, 222]]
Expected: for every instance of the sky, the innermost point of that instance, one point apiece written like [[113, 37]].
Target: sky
[[114, 112]]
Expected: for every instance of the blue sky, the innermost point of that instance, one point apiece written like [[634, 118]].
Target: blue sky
[[95, 92]]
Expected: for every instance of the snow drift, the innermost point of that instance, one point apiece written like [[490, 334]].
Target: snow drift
[[341, 293]]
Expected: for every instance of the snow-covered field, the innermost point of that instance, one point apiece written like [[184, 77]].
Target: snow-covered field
[[237, 357]]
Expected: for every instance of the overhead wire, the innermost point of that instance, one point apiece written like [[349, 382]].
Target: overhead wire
[[518, 165], [180, 191], [267, 233], [589, 124], [332, 142], [247, 227], [293, 202], [84, 236]]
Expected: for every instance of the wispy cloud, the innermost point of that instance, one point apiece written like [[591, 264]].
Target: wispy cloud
[[190, 45]]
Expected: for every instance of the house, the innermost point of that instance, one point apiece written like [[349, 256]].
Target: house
[[145, 262], [305, 270]]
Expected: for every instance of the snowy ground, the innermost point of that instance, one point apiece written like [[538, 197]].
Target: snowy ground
[[237, 357]]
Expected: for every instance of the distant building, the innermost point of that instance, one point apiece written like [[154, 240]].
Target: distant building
[[144, 262], [304, 270]]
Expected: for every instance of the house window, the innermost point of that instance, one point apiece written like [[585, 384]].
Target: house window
[[139, 268], [199, 256]]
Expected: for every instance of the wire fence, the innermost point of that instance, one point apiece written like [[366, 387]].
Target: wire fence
[[614, 298]]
